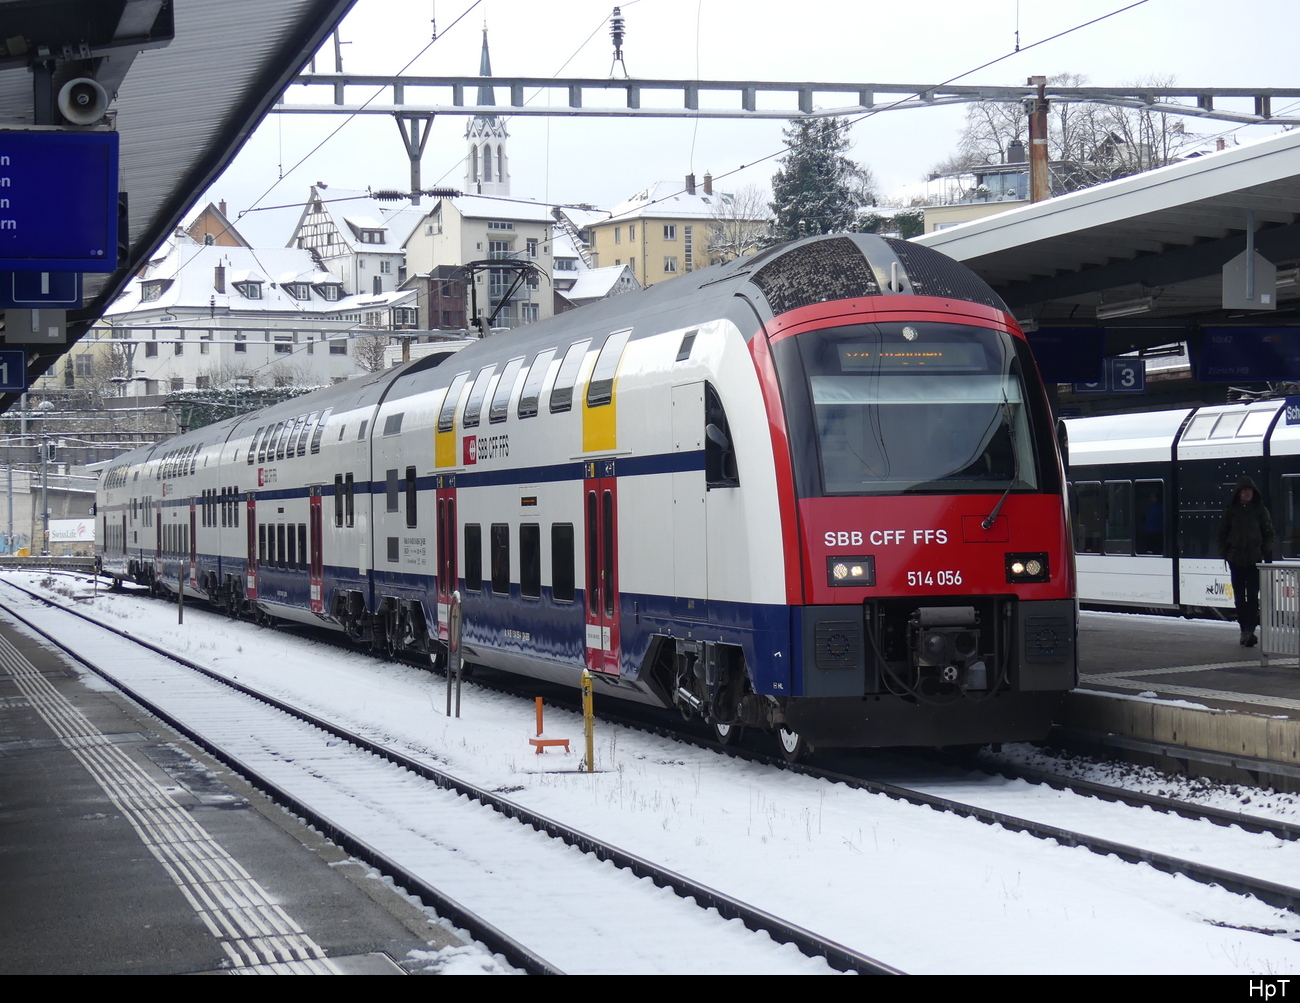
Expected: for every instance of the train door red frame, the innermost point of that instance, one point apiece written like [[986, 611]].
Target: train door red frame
[[316, 566], [194, 545], [447, 533], [251, 575], [600, 505]]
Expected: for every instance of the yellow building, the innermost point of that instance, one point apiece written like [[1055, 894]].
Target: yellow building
[[670, 229]]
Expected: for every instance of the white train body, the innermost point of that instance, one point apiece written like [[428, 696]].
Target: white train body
[[617, 490]]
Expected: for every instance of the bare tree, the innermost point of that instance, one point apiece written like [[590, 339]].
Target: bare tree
[[369, 352], [741, 223], [230, 373]]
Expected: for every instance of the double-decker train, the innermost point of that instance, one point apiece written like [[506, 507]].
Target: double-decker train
[[1148, 490], [815, 490]]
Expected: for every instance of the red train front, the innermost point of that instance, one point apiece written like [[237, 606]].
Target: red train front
[[926, 540]]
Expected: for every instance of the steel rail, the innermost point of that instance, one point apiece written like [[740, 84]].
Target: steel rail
[[837, 955]]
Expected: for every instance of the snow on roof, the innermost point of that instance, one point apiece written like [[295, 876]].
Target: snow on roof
[[357, 209], [563, 247], [668, 200], [481, 207], [596, 283]]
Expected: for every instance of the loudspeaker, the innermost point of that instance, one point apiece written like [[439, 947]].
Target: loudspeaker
[[82, 101]]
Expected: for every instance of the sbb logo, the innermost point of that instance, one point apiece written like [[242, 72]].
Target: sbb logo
[[471, 450], [842, 539]]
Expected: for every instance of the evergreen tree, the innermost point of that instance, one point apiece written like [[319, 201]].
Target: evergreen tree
[[818, 189]]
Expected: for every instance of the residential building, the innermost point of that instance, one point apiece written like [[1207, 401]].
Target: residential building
[[211, 226], [356, 237]]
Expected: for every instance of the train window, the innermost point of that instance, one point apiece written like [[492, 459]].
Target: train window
[[393, 423], [252, 445], [349, 489], [720, 469], [412, 486], [261, 544], [361, 432], [562, 392], [308, 433], [600, 388], [302, 546], [292, 548], [500, 408], [1200, 426], [1256, 423], [500, 557], [530, 560], [473, 557], [320, 430], [562, 564], [447, 416], [1119, 517], [1289, 531], [1149, 517], [474, 404], [394, 550], [280, 545], [1227, 425], [688, 342], [532, 391], [299, 429], [391, 489], [338, 500], [1088, 519]]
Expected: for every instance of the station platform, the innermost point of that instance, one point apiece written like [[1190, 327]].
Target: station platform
[[1189, 689], [124, 849]]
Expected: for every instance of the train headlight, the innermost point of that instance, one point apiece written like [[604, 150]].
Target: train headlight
[[850, 571], [1027, 568]]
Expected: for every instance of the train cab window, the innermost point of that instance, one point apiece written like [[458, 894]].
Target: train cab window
[[500, 408], [562, 392], [562, 563], [473, 557], [320, 430], [412, 496], [720, 469], [474, 404], [391, 490], [500, 558], [447, 415], [1119, 517], [600, 388], [1149, 517], [1288, 532], [1199, 427], [338, 501], [1088, 517], [530, 560], [532, 391]]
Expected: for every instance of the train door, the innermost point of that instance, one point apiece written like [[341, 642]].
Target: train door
[[316, 562], [251, 574], [158, 550], [446, 531], [600, 501], [194, 546]]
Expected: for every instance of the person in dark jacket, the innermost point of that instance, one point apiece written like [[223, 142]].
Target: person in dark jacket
[[1245, 540]]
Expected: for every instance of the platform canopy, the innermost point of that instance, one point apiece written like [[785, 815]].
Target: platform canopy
[[192, 80], [1146, 251]]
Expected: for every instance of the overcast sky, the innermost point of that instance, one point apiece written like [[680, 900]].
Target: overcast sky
[[603, 160]]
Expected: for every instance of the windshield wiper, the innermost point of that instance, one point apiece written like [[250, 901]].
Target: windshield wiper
[[987, 524]]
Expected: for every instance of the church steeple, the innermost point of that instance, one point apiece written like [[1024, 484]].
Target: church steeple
[[487, 170]]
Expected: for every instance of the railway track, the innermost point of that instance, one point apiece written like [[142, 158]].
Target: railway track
[[287, 734]]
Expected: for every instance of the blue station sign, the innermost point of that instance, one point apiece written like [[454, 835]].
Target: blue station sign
[[58, 200]]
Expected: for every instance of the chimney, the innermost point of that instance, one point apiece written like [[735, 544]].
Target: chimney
[[708, 184], [222, 206], [219, 278], [1221, 144], [690, 184], [1015, 152]]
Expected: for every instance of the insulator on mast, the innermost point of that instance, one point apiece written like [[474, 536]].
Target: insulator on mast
[[617, 31]]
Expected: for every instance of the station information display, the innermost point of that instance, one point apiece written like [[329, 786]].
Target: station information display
[[58, 200]]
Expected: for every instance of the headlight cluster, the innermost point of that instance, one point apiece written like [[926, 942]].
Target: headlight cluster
[[1027, 568], [850, 571]]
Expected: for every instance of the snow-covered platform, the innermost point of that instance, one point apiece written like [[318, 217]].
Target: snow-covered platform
[[127, 850], [1188, 685]]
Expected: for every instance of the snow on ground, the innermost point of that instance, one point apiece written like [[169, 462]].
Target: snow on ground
[[922, 890]]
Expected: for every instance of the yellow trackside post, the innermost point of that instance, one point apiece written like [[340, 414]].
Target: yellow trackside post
[[588, 721]]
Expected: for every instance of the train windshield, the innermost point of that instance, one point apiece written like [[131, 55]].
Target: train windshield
[[908, 408]]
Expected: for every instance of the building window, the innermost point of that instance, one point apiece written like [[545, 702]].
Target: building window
[[670, 231], [178, 348], [85, 365], [529, 312], [405, 316], [386, 267], [330, 292], [670, 264], [283, 344], [618, 235], [240, 340], [202, 382], [178, 383], [532, 247], [249, 290], [372, 236], [688, 248], [500, 225], [151, 350]]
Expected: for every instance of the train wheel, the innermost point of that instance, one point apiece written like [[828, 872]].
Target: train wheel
[[793, 746], [726, 734]]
